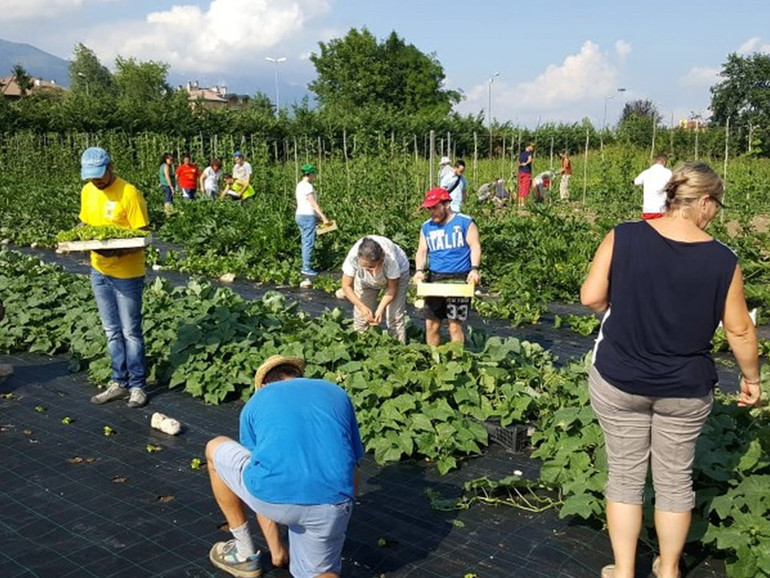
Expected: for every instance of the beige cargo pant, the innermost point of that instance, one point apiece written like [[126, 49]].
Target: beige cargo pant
[[395, 313]]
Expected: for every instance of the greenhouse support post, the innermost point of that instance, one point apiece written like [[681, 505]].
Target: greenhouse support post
[[654, 134], [431, 156], [585, 167]]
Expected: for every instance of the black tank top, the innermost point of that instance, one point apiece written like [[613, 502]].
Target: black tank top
[[666, 299]]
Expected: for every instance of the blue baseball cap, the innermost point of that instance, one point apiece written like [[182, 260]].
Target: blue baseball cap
[[238, 154], [93, 163]]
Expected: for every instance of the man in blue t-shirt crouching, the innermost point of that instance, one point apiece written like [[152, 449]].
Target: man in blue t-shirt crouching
[[295, 465]]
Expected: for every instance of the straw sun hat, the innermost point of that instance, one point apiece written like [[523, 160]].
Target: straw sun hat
[[274, 361]]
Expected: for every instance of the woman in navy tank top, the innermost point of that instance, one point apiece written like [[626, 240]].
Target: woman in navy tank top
[[664, 286]]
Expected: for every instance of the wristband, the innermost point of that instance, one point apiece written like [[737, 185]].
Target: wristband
[[752, 381], [474, 267], [421, 271]]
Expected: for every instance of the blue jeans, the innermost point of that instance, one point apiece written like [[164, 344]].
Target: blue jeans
[[168, 194], [307, 230], [120, 308]]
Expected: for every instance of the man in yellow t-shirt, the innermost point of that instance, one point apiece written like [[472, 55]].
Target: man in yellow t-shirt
[[117, 276]]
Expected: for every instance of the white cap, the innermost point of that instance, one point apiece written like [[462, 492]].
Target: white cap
[[445, 161]]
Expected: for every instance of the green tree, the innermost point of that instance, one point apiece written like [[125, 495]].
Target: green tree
[[88, 75], [23, 79], [143, 94], [637, 122], [743, 97], [357, 74]]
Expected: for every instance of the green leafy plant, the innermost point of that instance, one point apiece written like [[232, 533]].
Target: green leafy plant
[[99, 233]]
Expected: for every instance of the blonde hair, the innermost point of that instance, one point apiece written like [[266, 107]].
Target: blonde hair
[[689, 183]]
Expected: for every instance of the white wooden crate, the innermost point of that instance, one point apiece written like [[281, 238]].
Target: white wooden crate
[[445, 290], [106, 244]]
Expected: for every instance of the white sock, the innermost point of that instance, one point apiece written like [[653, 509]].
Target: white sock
[[243, 543]]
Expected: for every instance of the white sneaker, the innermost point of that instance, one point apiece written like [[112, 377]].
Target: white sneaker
[[114, 391], [137, 398]]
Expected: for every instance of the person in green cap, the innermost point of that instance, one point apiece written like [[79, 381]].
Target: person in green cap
[[307, 214]]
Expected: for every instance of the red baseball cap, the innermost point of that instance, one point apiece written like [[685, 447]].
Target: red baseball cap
[[434, 197]]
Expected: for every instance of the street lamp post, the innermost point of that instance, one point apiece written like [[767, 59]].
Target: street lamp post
[[622, 103], [276, 61], [607, 98], [489, 108]]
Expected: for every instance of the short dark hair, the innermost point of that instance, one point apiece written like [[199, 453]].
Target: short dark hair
[[281, 372], [460, 163], [370, 250]]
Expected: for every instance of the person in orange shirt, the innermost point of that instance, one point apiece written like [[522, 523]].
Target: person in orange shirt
[[117, 275], [187, 175]]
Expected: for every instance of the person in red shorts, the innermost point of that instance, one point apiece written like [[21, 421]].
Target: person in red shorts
[[525, 172]]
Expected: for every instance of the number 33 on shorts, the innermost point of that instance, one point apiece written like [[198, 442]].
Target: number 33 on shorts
[[457, 309]]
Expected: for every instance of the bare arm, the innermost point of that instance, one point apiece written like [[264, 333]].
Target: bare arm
[[390, 294], [474, 277], [421, 259], [742, 337], [201, 180], [594, 293], [313, 203]]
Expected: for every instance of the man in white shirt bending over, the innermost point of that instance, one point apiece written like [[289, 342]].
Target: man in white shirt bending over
[[654, 180]]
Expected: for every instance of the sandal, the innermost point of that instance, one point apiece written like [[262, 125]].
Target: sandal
[[608, 571]]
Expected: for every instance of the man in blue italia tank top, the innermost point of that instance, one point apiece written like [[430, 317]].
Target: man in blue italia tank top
[[295, 465], [449, 249]]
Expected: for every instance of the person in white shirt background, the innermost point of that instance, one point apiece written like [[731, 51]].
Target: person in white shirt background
[[444, 168], [241, 170], [209, 179], [654, 180], [306, 216]]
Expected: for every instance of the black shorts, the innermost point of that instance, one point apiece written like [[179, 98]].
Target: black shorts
[[451, 308]]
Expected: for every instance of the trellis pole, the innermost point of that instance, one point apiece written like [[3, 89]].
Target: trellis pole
[[585, 167]]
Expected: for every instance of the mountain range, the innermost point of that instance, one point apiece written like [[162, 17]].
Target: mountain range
[[36, 62], [41, 64]]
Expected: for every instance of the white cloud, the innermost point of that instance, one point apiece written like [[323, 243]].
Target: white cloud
[[582, 81], [700, 77], [37, 9], [587, 74], [229, 34], [622, 48], [753, 45]]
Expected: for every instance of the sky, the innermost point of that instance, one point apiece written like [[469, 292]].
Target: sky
[[558, 61]]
